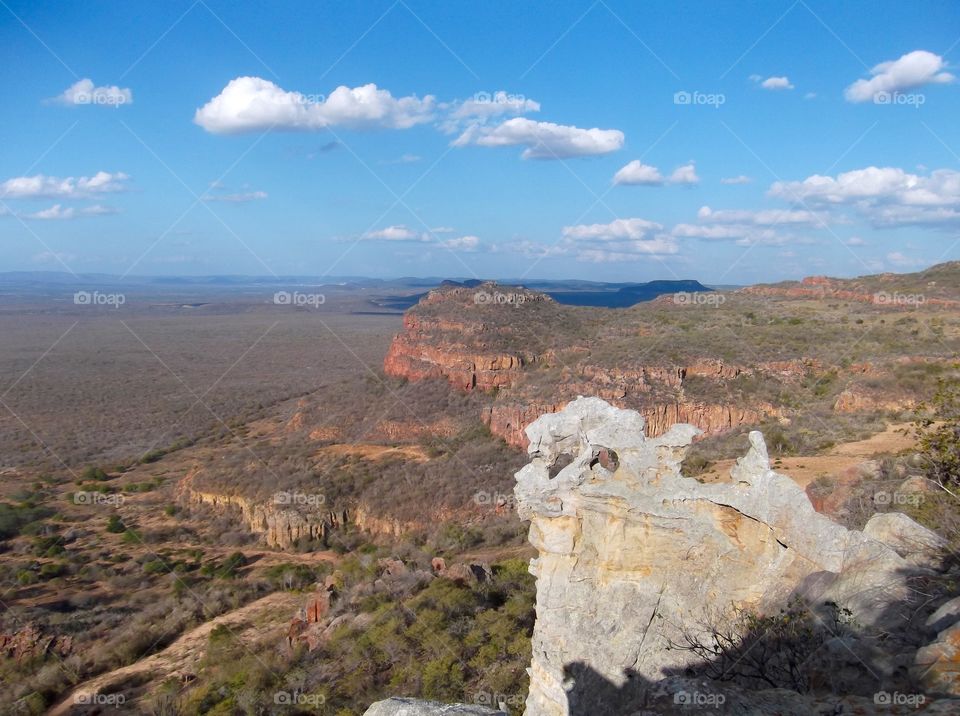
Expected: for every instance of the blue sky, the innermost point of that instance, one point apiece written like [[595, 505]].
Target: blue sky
[[730, 142]]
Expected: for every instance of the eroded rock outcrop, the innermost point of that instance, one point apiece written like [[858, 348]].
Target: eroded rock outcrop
[[633, 556]]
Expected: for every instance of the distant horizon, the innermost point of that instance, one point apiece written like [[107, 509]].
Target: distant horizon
[[425, 278]]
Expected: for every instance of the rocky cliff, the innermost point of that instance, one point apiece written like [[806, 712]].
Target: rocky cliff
[[633, 557]]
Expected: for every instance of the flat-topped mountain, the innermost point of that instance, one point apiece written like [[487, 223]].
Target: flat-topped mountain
[[719, 360]]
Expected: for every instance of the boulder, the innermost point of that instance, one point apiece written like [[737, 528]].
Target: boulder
[[633, 556], [904, 535], [946, 615]]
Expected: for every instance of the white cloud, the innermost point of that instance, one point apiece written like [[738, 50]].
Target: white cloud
[[543, 140], [746, 226], [249, 104], [913, 69], [889, 196], [636, 172], [742, 234], [238, 198], [484, 105], [776, 83], [623, 240], [395, 233], [83, 92], [57, 211], [810, 95], [401, 233], [763, 217], [900, 259], [462, 243], [687, 174], [618, 229], [855, 241], [741, 179], [41, 186]]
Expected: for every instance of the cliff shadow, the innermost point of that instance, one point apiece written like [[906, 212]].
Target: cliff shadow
[[809, 653]]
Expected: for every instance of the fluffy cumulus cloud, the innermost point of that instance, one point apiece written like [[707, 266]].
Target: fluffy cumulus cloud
[[775, 83], [41, 186], [636, 172], [84, 92], [543, 140], [461, 243], [635, 229], [746, 226], [250, 104], [913, 69], [621, 240], [687, 174], [395, 233], [889, 196]]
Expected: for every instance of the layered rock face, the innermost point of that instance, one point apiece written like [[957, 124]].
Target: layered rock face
[[633, 556]]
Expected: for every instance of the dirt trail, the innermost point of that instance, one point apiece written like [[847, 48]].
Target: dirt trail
[[183, 655], [804, 470]]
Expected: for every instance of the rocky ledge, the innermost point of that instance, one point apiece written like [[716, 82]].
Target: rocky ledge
[[636, 560]]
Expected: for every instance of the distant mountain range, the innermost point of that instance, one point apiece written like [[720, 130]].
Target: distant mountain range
[[408, 290]]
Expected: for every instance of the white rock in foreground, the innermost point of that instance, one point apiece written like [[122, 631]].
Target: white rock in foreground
[[631, 553]]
